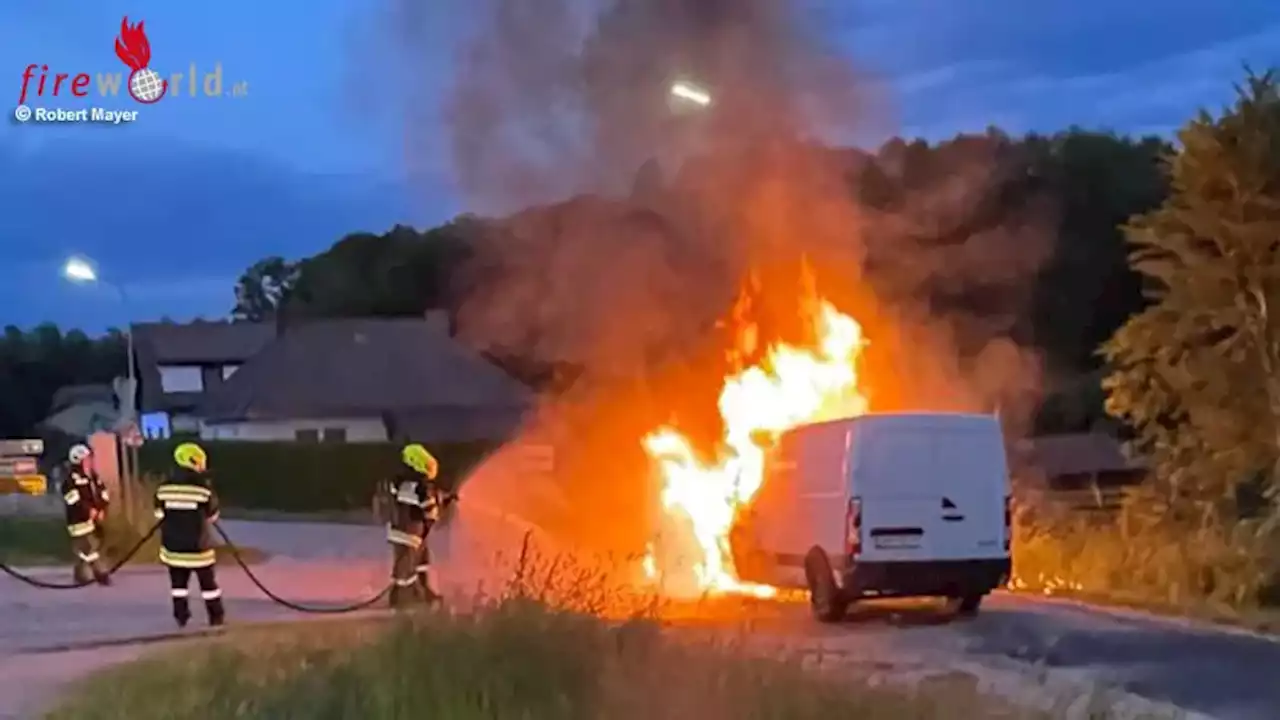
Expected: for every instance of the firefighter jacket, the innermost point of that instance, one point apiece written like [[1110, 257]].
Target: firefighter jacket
[[417, 503], [80, 498], [187, 507], [98, 489]]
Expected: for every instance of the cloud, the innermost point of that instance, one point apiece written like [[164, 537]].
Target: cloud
[[176, 222], [1158, 93]]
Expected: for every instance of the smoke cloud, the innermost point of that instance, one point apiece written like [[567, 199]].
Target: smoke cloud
[[629, 218]]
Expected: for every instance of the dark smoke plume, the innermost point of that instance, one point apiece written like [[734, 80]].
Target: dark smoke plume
[[628, 219]]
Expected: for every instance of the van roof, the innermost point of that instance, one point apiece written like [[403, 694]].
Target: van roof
[[917, 419]]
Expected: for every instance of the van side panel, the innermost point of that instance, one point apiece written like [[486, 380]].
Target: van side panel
[[822, 489], [800, 504]]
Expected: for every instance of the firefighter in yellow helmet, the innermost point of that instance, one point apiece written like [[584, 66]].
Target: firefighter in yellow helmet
[[187, 507], [417, 502]]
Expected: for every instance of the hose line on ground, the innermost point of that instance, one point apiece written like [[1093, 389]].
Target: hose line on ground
[[33, 582], [336, 610]]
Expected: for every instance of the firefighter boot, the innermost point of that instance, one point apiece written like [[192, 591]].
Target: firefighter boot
[[101, 576], [217, 614], [181, 612], [425, 591]]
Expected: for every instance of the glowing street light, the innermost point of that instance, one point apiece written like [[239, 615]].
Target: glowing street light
[[691, 92], [79, 270]]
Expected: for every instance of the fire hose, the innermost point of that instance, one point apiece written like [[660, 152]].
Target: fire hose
[[312, 609], [235, 554], [80, 583]]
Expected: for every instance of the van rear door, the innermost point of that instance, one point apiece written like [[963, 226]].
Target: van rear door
[[931, 488]]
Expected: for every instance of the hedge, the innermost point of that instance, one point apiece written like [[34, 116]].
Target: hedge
[[297, 477]]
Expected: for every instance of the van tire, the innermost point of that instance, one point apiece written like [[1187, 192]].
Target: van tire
[[966, 605], [826, 601]]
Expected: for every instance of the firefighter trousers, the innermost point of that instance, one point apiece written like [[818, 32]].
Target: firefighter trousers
[[207, 579], [410, 573], [88, 559]]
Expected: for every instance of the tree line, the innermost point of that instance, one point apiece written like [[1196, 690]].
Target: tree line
[[1082, 184], [1071, 191]]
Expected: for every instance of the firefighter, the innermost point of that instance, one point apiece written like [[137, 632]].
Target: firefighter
[[101, 498], [86, 505], [417, 502], [187, 507]]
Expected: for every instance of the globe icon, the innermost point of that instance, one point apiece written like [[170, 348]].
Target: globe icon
[[146, 86]]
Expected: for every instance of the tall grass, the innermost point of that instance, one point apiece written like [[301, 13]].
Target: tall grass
[[566, 638], [514, 659], [1145, 554]]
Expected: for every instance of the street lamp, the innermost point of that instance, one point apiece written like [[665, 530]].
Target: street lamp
[[81, 270], [690, 92]]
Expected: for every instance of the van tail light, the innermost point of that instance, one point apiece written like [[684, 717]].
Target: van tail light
[[1008, 521], [853, 526]]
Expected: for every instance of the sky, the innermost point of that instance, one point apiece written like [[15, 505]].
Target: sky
[[174, 206]]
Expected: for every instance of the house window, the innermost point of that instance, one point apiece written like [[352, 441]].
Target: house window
[[335, 435], [306, 436], [181, 378], [228, 371]]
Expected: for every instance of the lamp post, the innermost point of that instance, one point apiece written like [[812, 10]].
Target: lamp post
[[81, 271]]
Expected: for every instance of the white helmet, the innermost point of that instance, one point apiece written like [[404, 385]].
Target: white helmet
[[78, 453]]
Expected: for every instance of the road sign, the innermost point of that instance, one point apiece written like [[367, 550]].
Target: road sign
[[131, 436], [14, 467], [27, 446]]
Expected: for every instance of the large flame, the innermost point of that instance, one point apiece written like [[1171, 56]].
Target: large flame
[[790, 386]]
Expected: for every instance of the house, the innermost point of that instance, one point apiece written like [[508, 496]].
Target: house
[[178, 365], [1073, 459], [354, 380], [81, 410], [1082, 469]]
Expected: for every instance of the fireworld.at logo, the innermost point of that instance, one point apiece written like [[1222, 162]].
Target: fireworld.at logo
[[144, 84]]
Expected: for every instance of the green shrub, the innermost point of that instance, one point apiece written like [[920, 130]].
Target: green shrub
[[294, 477]]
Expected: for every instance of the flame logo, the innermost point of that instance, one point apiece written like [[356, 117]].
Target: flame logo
[[134, 49], [132, 46]]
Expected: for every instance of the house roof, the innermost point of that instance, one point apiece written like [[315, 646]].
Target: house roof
[[362, 367], [1076, 453], [69, 395], [83, 419], [201, 342]]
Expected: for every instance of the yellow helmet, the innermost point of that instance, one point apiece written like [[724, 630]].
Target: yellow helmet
[[417, 458], [191, 456]]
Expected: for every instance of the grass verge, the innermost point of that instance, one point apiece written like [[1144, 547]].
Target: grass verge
[[516, 659], [1138, 559], [31, 541]]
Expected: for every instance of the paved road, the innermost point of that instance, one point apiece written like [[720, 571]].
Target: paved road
[[1223, 675]]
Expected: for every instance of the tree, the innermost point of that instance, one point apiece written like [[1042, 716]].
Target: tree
[[1097, 181], [1197, 373], [264, 288], [35, 364], [400, 273]]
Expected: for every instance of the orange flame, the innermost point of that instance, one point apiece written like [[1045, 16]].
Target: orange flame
[[791, 386]]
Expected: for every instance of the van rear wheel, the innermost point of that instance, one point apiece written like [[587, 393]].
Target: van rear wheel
[[826, 601], [966, 605]]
